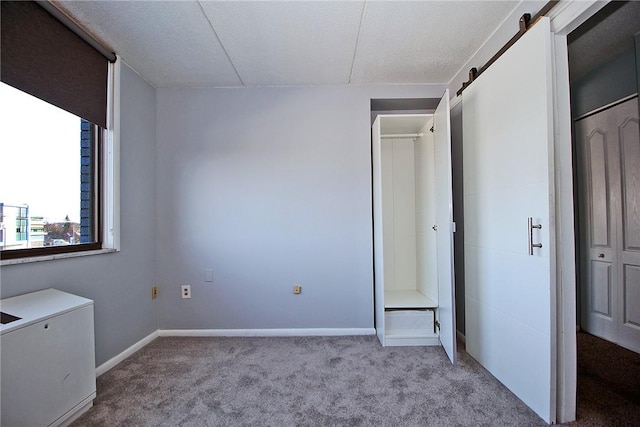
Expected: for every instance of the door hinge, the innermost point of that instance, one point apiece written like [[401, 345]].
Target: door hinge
[[432, 128], [437, 323]]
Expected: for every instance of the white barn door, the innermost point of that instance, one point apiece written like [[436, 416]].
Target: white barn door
[[508, 193]]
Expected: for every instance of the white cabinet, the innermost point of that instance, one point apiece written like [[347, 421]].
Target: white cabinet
[[48, 359], [413, 229]]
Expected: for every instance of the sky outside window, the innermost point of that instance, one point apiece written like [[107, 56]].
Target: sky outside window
[[40, 156]]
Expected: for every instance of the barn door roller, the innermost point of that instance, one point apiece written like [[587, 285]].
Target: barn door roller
[[524, 23]]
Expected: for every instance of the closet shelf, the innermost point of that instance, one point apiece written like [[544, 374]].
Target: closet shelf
[[407, 299]]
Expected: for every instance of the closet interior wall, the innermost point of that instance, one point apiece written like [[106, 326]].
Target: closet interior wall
[[409, 241], [409, 213]]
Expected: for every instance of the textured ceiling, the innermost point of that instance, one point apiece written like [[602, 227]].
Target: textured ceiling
[[266, 43]]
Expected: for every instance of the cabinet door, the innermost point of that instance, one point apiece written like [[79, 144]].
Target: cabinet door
[[444, 221], [378, 258], [47, 368]]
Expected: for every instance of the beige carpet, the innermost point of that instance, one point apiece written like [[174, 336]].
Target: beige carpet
[[312, 381]]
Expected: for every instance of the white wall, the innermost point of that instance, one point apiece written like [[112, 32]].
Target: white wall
[[458, 213], [268, 187], [120, 283]]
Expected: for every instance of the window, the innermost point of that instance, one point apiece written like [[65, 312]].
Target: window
[[53, 126], [53, 175]]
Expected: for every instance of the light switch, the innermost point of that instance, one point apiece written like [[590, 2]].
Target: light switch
[[208, 275]]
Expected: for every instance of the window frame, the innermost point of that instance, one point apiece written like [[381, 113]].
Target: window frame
[[97, 142], [106, 189]]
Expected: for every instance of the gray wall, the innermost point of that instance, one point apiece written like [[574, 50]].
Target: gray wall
[[458, 212], [268, 187], [608, 83], [637, 47], [120, 283]]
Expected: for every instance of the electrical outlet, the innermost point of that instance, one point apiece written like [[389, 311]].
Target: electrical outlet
[[154, 292], [297, 289], [186, 291]]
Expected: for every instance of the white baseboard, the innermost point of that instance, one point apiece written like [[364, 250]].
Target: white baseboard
[[74, 413], [293, 332], [128, 352], [461, 336]]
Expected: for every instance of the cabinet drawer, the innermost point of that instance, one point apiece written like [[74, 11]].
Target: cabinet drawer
[[408, 322]]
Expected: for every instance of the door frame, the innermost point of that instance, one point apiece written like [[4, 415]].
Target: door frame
[[565, 17]]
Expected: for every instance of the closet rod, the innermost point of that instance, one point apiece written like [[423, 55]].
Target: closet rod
[[402, 135]]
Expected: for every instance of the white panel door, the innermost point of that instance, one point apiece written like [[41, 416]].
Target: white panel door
[[629, 295], [444, 227], [608, 145], [508, 165], [599, 176], [378, 255]]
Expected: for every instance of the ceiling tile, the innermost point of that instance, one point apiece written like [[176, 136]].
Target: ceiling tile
[[422, 41], [170, 43], [288, 43], [182, 43]]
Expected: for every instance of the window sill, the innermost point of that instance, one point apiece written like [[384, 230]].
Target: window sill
[[56, 256]]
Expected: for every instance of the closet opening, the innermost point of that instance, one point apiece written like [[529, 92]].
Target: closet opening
[[408, 192], [413, 228], [604, 64]]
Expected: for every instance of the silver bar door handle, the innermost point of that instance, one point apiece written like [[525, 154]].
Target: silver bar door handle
[[531, 226]]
